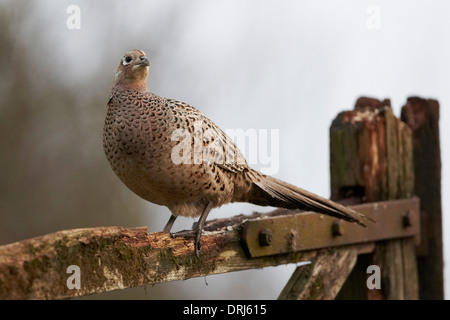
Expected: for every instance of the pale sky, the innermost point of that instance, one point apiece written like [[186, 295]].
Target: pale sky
[[285, 66]]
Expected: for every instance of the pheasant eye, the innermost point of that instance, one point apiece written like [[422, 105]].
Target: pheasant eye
[[127, 60]]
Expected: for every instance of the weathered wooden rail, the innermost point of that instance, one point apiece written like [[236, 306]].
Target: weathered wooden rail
[[372, 159], [113, 258]]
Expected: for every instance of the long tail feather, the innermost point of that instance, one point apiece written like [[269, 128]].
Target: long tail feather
[[282, 194]]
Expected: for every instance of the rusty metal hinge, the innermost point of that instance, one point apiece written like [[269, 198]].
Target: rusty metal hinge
[[308, 230]]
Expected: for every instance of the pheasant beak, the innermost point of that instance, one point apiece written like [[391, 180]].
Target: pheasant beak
[[144, 61]]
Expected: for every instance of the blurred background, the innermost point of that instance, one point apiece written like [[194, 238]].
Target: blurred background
[[286, 65]]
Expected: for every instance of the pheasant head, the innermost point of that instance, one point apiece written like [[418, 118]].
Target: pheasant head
[[132, 70]]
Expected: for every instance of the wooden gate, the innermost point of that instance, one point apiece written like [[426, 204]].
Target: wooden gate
[[387, 168]]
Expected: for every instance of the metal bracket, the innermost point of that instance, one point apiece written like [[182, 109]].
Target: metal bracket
[[308, 230]]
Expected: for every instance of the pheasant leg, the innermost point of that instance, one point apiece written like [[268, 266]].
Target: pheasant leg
[[169, 224], [196, 232]]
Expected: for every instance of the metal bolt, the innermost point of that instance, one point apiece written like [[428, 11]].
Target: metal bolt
[[265, 237], [293, 241], [406, 219], [337, 229]]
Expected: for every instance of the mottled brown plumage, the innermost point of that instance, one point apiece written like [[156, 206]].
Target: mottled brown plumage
[[142, 137]]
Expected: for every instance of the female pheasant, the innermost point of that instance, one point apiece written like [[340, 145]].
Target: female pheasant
[[169, 153]]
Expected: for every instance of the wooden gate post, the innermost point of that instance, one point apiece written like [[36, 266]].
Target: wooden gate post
[[371, 159], [422, 116]]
